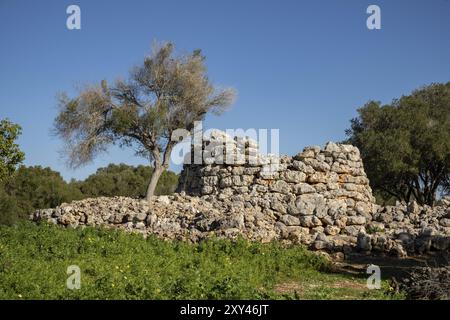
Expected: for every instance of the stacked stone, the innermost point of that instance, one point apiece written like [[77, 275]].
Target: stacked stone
[[226, 166], [408, 229], [320, 198], [180, 216], [177, 216], [315, 195]]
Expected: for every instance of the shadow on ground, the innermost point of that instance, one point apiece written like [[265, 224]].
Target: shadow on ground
[[391, 267]]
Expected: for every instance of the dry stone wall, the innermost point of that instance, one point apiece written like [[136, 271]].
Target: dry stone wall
[[319, 190], [320, 198]]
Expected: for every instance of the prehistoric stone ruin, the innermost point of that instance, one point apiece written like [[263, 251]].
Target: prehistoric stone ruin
[[320, 198]]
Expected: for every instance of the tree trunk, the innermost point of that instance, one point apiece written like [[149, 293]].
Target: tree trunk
[[159, 169]]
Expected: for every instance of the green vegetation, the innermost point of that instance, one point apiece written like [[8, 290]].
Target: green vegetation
[[124, 180], [31, 188], [373, 229], [405, 145], [10, 154], [117, 265], [35, 188], [8, 208]]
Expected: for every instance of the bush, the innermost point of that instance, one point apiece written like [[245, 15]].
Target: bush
[[428, 284], [36, 187], [125, 180], [8, 208]]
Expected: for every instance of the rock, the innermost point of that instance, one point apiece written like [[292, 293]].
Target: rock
[[309, 221], [413, 207], [327, 220], [354, 230], [398, 216], [141, 216], [363, 208], [364, 242], [341, 222], [332, 230], [445, 222], [303, 188], [294, 176], [279, 206], [139, 225], [440, 243], [398, 251], [163, 199], [331, 147], [321, 237], [422, 243], [298, 234], [317, 177], [151, 220], [356, 220], [289, 220], [337, 256], [280, 186], [319, 245], [308, 204]]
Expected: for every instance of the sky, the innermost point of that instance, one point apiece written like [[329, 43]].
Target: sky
[[303, 67]]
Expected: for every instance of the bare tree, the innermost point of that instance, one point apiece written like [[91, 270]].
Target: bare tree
[[166, 93]]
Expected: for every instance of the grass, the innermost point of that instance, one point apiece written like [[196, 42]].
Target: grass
[[118, 265]]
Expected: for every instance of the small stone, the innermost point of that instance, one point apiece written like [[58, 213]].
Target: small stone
[[141, 216], [332, 230], [363, 242], [338, 256], [354, 230], [280, 186], [289, 220], [356, 220], [413, 207], [319, 245], [303, 188], [445, 222]]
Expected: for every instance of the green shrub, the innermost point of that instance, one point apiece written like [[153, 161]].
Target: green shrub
[[8, 208], [36, 187], [125, 180]]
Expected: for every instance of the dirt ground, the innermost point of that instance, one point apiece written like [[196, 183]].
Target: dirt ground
[[391, 267], [347, 280]]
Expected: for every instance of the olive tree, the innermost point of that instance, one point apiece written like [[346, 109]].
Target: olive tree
[[405, 145], [167, 92]]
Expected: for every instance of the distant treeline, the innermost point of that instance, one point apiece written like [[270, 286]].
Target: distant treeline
[[32, 188]]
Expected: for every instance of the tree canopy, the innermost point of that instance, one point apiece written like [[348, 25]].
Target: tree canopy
[[167, 92], [38, 188], [405, 145], [10, 154]]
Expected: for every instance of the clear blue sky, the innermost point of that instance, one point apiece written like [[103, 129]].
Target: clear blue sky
[[301, 66]]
